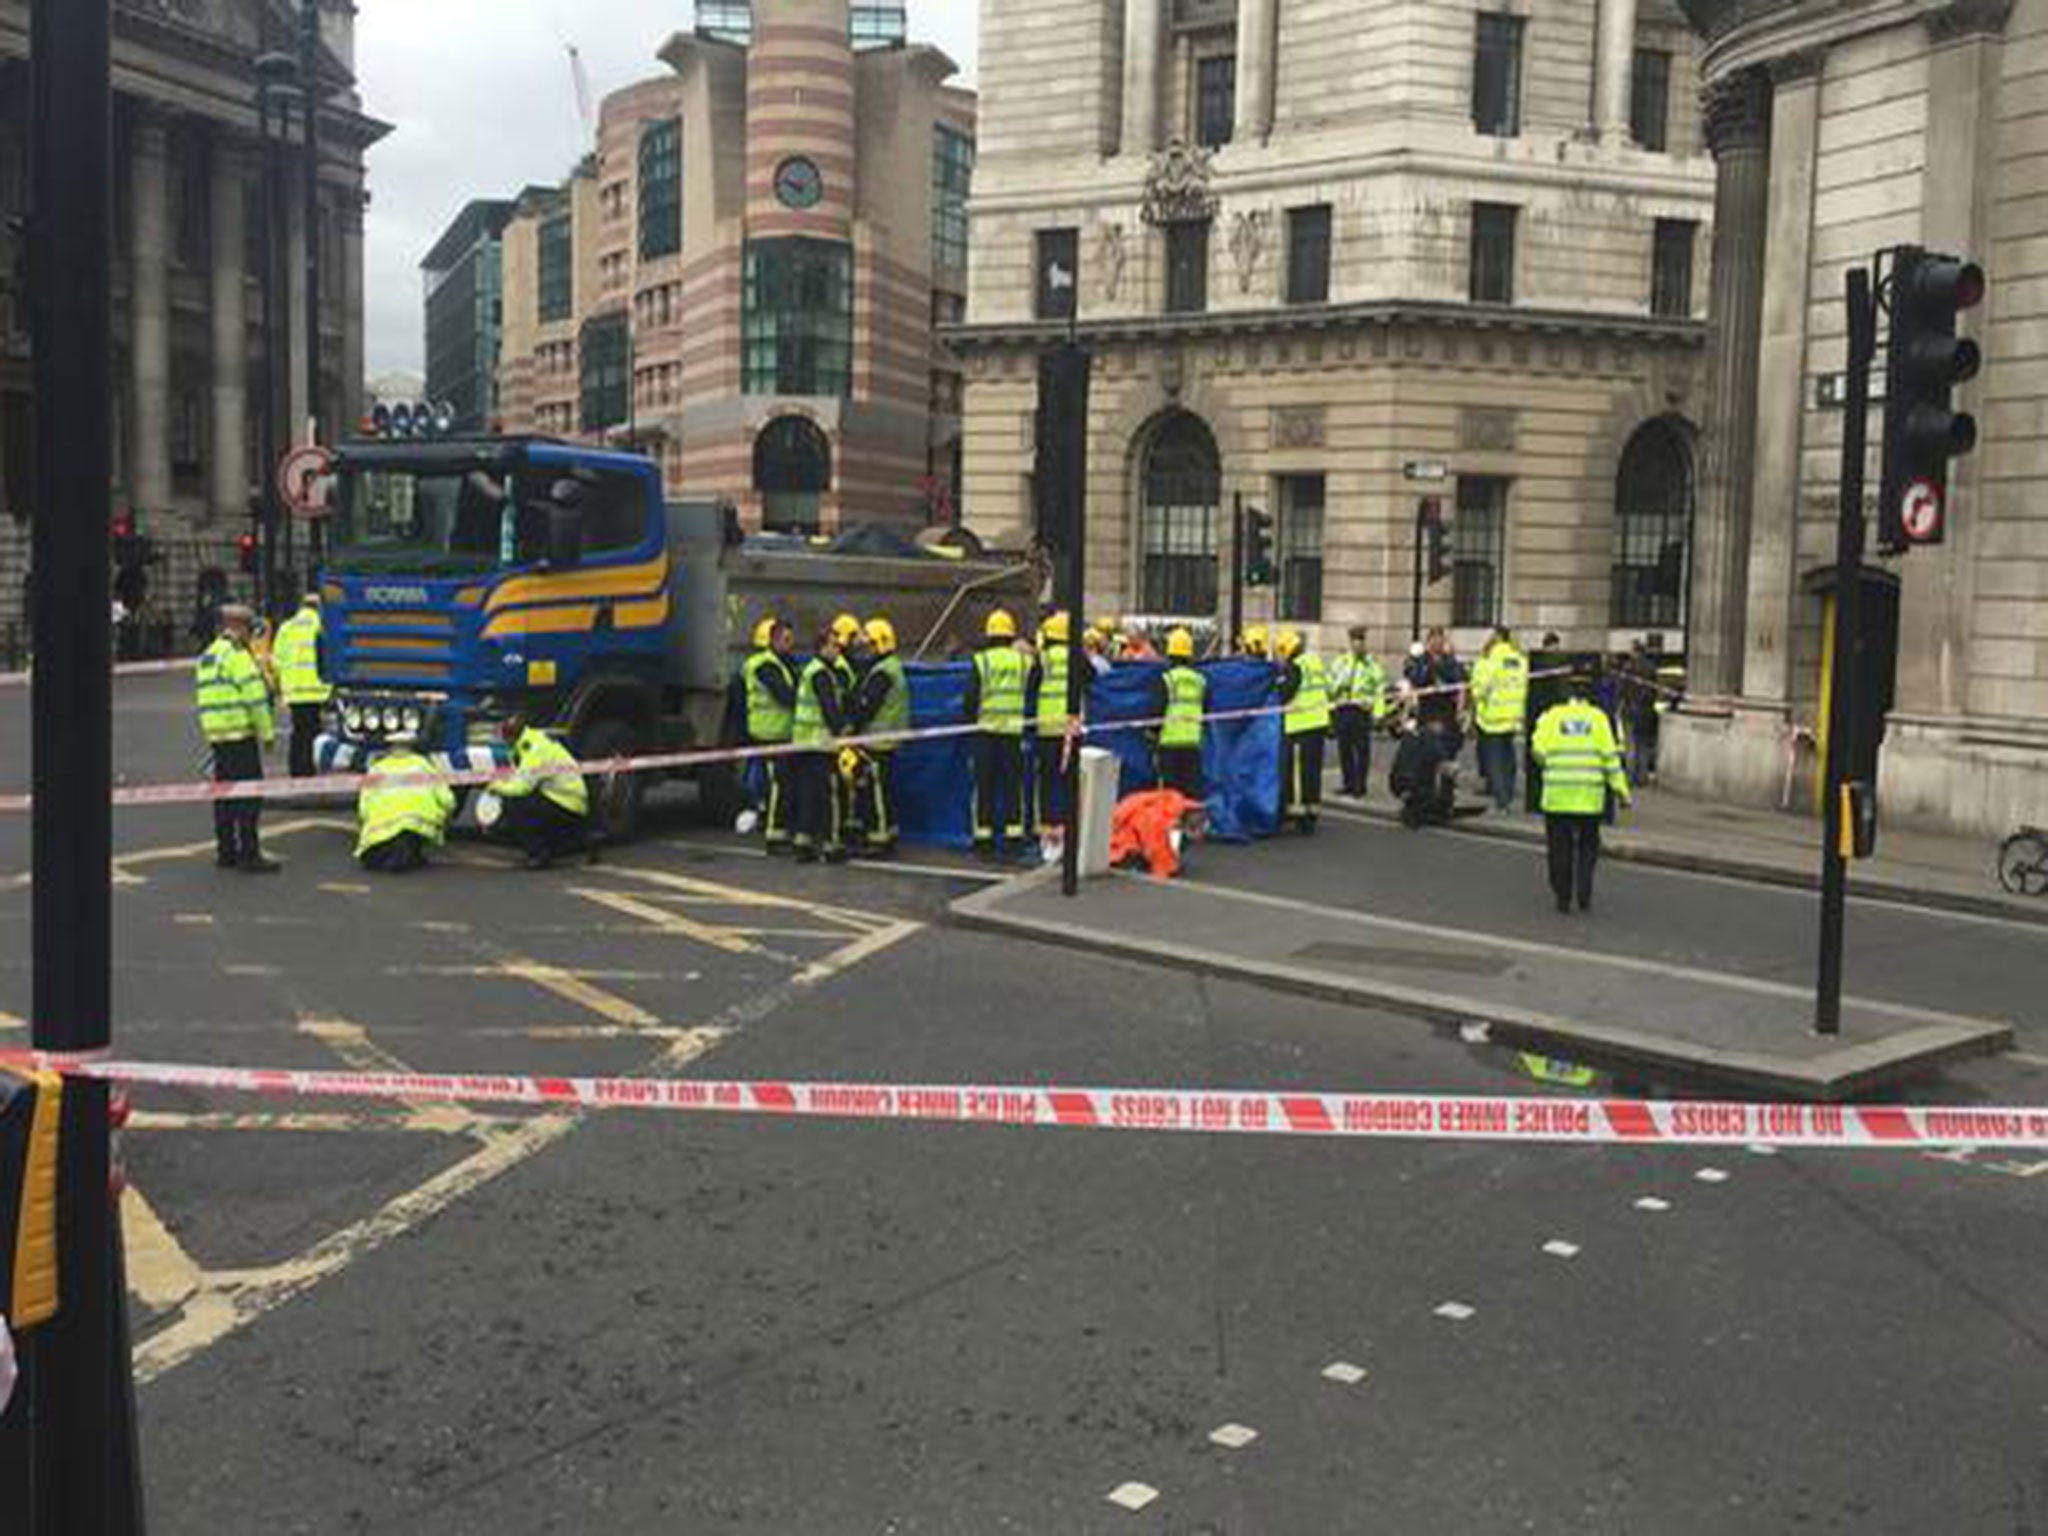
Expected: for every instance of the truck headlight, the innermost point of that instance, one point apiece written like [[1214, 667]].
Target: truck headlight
[[352, 720], [412, 722]]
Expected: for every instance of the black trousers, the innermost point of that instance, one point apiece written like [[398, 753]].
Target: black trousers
[[401, 856], [305, 731], [234, 821], [1049, 781], [1574, 843], [998, 789], [1532, 779], [816, 817], [1354, 750], [542, 829], [1181, 768], [1301, 778]]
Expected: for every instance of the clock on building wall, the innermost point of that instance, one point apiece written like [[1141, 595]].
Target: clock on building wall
[[798, 183]]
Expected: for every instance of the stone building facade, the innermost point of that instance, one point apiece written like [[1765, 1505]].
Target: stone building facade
[[1311, 242], [190, 349], [746, 275], [1846, 129]]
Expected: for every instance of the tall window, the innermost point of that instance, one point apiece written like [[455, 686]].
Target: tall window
[[797, 326], [1478, 550], [1652, 529], [661, 188], [877, 23], [1649, 102], [731, 20], [1215, 100], [606, 379], [1493, 253], [1301, 547], [1187, 267], [1497, 75], [792, 473], [1308, 255], [1671, 268], [1183, 486], [1058, 273], [557, 284], [952, 182]]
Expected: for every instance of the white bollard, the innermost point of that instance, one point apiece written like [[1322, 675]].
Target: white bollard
[[1100, 779]]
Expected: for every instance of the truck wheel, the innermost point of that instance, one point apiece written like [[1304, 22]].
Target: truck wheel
[[615, 799], [721, 794]]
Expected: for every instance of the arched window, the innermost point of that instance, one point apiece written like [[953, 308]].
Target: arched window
[[792, 471], [1182, 485], [1652, 529]]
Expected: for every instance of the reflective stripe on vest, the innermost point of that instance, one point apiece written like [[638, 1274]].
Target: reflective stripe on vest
[[769, 720], [1309, 709], [893, 714], [386, 810], [1186, 691], [537, 749], [233, 703], [1052, 692], [297, 654], [1002, 672], [808, 728]]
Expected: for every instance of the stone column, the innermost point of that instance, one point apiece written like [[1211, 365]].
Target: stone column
[[1144, 38], [1257, 25], [1781, 381], [1739, 133], [227, 464], [1614, 59], [149, 316]]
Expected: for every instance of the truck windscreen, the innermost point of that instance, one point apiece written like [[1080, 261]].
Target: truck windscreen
[[449, 523]]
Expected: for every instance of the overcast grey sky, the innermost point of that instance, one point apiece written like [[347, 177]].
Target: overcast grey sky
[[481, 98]]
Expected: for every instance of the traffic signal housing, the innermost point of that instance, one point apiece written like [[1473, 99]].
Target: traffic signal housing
[[1259, 569], [247, 548], [1436, 532], [31, 1111], [1925, 361]]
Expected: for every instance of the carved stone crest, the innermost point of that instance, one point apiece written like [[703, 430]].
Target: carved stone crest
[[1177, 186], [1110, 255], [1298, 426], [1248, 231], [1487, 429]]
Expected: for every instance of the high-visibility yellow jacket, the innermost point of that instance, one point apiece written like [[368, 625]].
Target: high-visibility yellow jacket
[[297, 654], [384, 809], [1052, 690], [1359, 682], [537, 749], [1500, 691], [232, 698], [1581, 763], [1001, 670], [771, 690], [1187, 693], [1309, 709]]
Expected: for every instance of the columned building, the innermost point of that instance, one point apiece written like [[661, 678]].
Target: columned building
[[1318, 248], [1837, 132], [746, 276], [191, 352]]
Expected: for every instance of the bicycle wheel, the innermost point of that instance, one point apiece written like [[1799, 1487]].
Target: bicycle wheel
[[2023, 864]]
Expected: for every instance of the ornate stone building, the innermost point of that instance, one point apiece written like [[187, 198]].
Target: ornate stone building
[[746, 275], [1841, 130], [190, 350], [1309, 242]]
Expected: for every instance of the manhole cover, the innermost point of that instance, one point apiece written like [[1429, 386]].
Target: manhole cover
[[1375, 956]]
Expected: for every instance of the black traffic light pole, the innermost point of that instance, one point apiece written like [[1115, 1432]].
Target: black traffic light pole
[[1072, 492], [1237, 559], [1844, 727], [78, 1364], [1415, 592], [309, 82]]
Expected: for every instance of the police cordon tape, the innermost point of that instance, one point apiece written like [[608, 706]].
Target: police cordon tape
[[319, 787], [125, 669], [1370, 1116]]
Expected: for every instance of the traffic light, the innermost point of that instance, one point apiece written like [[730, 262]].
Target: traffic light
[[31, 1109], [1437, 532], [1259, 570], [1925, 361], [247, 548]]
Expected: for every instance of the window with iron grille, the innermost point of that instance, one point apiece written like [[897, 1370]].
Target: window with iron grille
[[1215, 100], [1649, 99], [1183, 486], [606, 377], [877, 23], [1058, 279], [1301, 547], [1671, 268], [797, 318], [661, 188], [1478, 550], [1187, 267], [1308, 255], [1493, 253], [952, 184], [1652, 530], [1497, 76], [557, 284]]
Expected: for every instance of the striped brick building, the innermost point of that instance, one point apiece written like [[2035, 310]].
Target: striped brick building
[[745, 276]]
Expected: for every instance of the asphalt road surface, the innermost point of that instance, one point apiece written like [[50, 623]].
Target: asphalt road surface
[[384, 1318]]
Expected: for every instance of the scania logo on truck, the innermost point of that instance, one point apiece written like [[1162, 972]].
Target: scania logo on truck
[[392, 597]]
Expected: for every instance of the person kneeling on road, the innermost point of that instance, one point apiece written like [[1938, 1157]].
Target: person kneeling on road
[[1152, 828], [400, 822], [1424, 777], [546, 813]]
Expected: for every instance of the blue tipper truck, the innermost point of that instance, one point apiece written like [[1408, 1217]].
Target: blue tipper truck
[[471, 578]]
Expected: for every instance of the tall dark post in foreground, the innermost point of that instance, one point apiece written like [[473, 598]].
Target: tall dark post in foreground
[[1236, 570], [309, 83], [1843, 725], [77, 1362], [1062, 477]]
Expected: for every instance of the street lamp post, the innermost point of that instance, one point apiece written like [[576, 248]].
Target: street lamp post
[[275, 77]]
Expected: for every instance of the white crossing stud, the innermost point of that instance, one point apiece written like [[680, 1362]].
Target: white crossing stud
[[1233, 1437], [1456, 1311], [1345, 1372], [1133, 1496], [1711, 1176], [1558, 1248], [1652, 1203]]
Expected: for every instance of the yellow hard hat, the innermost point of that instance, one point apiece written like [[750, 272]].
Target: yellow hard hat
[[1288, 645], [1001, 626], [1255, 640], [1056, 629], [882, 635], [849, 762], [845, 628], [1180, 646], [764, 634]]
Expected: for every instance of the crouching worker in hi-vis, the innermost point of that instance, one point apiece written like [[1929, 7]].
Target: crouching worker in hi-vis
[[401, 821], [546, 814]]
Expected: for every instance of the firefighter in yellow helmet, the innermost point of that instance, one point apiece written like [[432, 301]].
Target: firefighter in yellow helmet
[[1049, 715], [881, 707], [995, 703], [766, 700], [818, 811], [1183, 700], [1304, 728], [1253, 642]]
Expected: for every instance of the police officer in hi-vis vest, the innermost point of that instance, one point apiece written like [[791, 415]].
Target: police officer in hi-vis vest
[[1581, 763]]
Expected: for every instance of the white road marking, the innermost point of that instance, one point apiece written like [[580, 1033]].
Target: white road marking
[[193, 919], [1233, 1437], [1133, 1496], [1762, 1149], [1344, 1372], [1652, 1203], [1711, 1176], [344, 888], [1558, 1248], [1455, 1311]]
